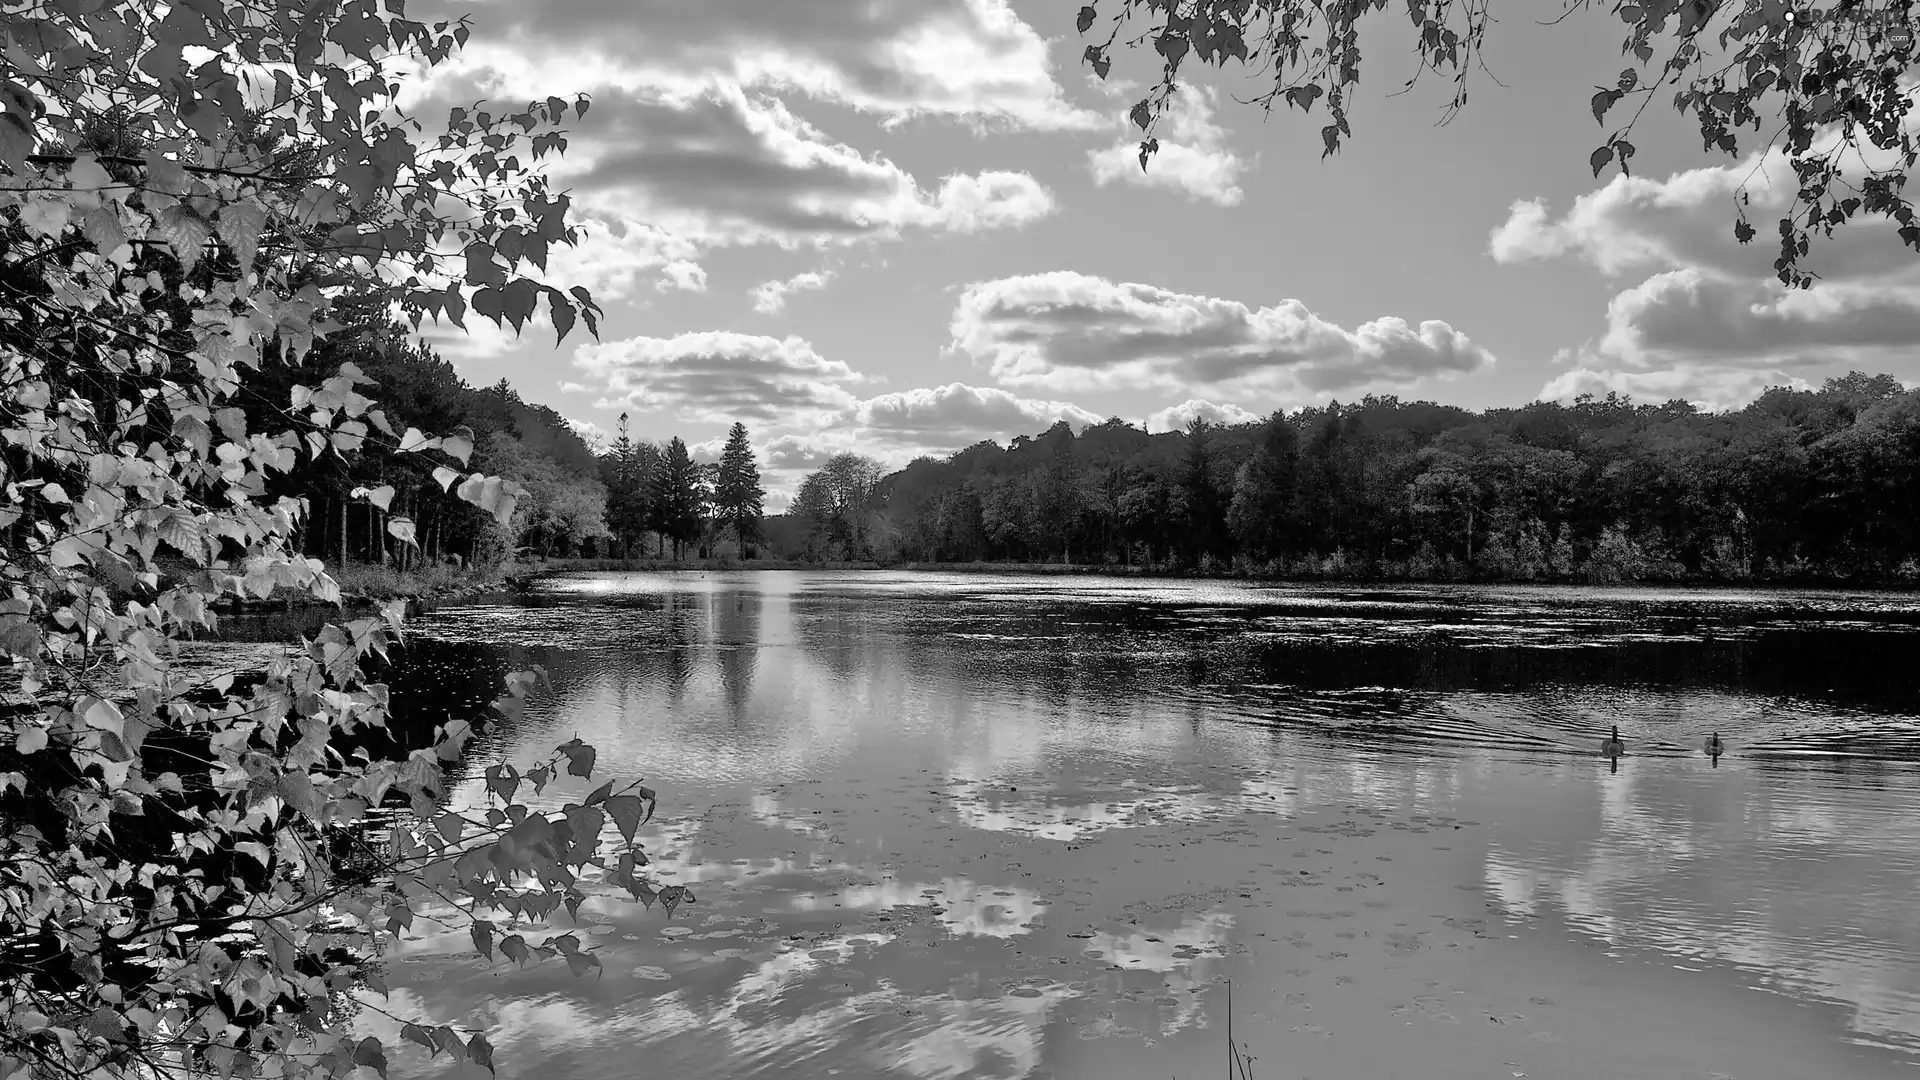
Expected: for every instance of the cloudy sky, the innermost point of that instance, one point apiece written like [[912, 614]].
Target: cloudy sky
[[901, 226]]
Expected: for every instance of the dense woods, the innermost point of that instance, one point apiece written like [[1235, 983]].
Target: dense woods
[[1797, 486], [659, 491], [631, 497], [531, 444]]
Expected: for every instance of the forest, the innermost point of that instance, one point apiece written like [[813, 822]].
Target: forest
[[629, 497], [1799, 486]]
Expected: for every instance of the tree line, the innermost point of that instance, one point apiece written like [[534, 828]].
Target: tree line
[[658, 490], [1799, 485], [579, 498]]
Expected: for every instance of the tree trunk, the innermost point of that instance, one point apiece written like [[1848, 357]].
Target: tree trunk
[[343, 532]]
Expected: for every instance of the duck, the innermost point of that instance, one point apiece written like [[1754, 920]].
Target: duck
[[1612, 746], [1714, 746]]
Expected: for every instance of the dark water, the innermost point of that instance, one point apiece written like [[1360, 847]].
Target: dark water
[[952, 826]]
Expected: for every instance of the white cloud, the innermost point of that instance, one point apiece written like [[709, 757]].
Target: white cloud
[[721, 377], [664, 170], [1694, 313], [770, 297], [1069, 331], [716, 165], [1195, 154], [1708, 386], [955, 416], [788, 390], [1719, 340], [800, 406], [1709, 322], [975, 61], [1686, 220], [595, 436], [619, 254], [1176, 417], [682, 274], [988, 200], [797, 453], [483, 339], [707, 452]]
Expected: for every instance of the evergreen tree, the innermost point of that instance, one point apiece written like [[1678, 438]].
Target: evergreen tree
[[676, 498], [738, 497], [627, 495]]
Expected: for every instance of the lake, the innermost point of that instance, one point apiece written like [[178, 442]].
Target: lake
[[996, 826]]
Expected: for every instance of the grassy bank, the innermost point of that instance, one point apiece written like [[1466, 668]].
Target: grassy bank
[[364, 581], [364, 584]]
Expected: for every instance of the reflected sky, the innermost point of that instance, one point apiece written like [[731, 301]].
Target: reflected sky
[[959, 825]]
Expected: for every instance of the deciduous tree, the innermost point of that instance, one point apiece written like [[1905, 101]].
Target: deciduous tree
[[197, 868], [1819, 83]]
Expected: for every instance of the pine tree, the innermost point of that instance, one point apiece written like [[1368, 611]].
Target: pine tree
[[676, 498], [738, 497], [626, 489]]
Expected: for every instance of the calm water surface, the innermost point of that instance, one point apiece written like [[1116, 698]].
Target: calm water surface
[[975, 826]]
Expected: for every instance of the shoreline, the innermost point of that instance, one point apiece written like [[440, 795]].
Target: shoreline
[[1356, 578], [1360, 576], [365, 588]]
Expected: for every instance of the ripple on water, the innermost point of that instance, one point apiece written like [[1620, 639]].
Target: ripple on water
[[946, 825]]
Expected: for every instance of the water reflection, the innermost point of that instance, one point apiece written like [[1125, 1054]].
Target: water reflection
[[1747, 872], [969, 826]]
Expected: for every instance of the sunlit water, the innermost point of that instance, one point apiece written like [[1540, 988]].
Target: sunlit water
[[960, 826]]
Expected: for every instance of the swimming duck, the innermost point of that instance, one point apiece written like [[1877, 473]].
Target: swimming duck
[[1714, 746], [1613, 747]]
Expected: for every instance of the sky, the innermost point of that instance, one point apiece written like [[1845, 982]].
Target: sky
[[903, 226]]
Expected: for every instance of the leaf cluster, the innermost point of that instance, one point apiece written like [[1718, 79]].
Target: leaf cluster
[[1818, 85], [199, 869]]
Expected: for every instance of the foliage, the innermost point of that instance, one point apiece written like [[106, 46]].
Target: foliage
[[836, 506], [1206, 532], [434, 580], [561, 511], [1820, 82], [417, 388], [628, 469], [738, 498], [198, 870], [1798, 486], [675, 497]]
